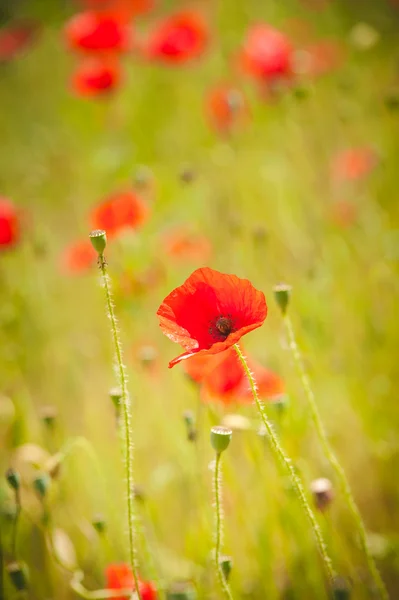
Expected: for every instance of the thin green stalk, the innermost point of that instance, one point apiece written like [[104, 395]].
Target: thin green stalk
[[328, 451], [15, 524], [127, 430], [295, 481], [218, 537]]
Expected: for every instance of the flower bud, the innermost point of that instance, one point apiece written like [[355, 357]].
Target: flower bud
[[98, 238], [13, 479], [19, 575], [226, 562], [322, 493], [282, 294], [220, 438], [99, 523], [41, 484]]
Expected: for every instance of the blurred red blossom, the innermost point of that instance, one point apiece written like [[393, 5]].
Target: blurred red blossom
[[78, 257], [353, 164], [120, 577], [267, 53], [15, 38], [183, 244], [9, 224], [94, 31], [222, 378], [179, 38], [210, 312], [226, 107], [96, 76], [120, 210], [125, 9]]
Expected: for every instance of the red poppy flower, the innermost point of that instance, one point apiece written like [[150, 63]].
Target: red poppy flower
[[9, 224], [94, 31], [179, 38], [267, 53], [15, 38], [353, 164], [210, 312], [120, 577], [183, 244], [96, 76], [124, 9], [119, 211], [226, 107], [78, 257]]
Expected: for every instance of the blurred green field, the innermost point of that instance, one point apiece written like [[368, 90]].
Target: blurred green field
[[265, 198]]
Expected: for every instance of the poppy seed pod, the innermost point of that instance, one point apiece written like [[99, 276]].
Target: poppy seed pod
[[98, 238], [13, 479], [282, 294], [18, 575], [220, 438]]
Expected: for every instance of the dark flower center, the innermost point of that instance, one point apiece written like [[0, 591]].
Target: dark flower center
[[224, 326]]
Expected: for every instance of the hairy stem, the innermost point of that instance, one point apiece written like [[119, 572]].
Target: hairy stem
[[295, 481], [218, 534], [328, 451], [127, 430]]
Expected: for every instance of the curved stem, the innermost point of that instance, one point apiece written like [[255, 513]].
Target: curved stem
[[218, 537], [328, 451], [295, 481], [127, 432]]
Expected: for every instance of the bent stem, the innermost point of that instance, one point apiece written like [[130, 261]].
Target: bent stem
[[329, 453], [295, 481], [127, 430], [218, 534]]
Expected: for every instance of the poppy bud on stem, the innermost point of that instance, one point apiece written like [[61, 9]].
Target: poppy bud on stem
[[286, 461], [98, 239], [330, 455], [220, 440], [14, 481]]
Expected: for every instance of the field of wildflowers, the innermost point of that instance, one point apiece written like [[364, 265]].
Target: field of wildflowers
[[209, 186]]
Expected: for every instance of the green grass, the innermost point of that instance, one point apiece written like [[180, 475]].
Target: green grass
[[58, 157]]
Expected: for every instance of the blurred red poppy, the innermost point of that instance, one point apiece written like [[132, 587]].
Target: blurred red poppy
[[226, 108], [179, 38], [96, 76], [78, 257], [210, 312], [267, 53], [9, 224], [183, 244], [124, 9], [353, 164], [119, 211], [15, 38], [120, 577], [94, 31]]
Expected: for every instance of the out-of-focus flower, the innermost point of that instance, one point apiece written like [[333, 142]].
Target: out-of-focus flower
[[226, 108], [96, 76], [78, 257], [9, 224], [124, 9], [94, 31], [184, 245], [177, 39], [119, 211], [211, 312], [120, 577], [267, 54], [353, 164], [15, 38]]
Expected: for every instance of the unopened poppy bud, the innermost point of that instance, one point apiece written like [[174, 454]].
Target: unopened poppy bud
[[98, 239], [322, 492], [116, 396], [18, 575], [181, 590], [220, 438], [282, 293], [99, 523], [226, 562], [341, 589], [48, 415], [13, 479], [41, 484]]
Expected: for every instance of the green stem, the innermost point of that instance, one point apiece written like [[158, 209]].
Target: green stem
[[295, 481], [15, 524], [125, 405], [328, 451], [218, 538]]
